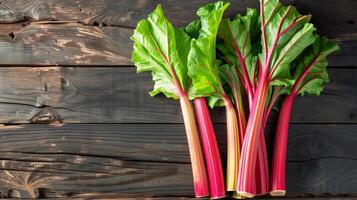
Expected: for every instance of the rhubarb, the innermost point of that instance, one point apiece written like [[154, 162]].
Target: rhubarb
[[239, 46], [203, 70], [163, 50], [310, 75], [284, 35]]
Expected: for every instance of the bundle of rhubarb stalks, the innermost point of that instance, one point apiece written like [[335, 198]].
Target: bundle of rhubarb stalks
[[249, 64]]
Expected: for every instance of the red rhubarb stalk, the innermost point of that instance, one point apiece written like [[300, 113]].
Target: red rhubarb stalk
[[210, 148], [262, 169], [206, 80], [310, 71], [250, 145], [280, 146], [236, 40], [272, 60]]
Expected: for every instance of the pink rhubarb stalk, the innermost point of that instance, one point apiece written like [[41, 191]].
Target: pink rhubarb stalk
[[200, 180], [280, 146], [258, 111], [261, 186], [281, 137], [246, 184], [262, 169], [210, 148]]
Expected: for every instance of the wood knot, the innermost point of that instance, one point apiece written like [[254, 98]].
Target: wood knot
[[23, 193], [46, 115]]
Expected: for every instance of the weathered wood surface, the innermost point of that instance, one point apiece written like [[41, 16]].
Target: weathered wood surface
[[119, 95], [63, 43], [66, 44], [152, 160], [339, 20]]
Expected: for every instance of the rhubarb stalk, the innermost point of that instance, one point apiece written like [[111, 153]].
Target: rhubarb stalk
[[310, 75], [281, 139], [246, 184], [233, 149], [210, 148], [237, 44], [284, 34], [163, 50], [203, 68], [197, 162]]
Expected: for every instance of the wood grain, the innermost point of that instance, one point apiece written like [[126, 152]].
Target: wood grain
[[119, 95], [59, 43], [67, 44], [333, 22], [136, 160]]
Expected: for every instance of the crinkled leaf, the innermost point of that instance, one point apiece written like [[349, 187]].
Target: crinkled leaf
[[215, 101], [291, 21], [315, 59], [239, 36], [302, 39], [193, 29], [163, 50], [230, 80], [202, 56], [289, 33], [230, 77]]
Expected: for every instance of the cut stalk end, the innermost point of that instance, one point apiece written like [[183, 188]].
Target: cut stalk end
[[245, 194], [238, 196], [210, 147], [201, 196], [277, 193]]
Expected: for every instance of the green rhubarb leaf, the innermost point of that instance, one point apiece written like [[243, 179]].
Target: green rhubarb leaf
[[239, 38], [163, 50], [193, 29], [291, 50], [202, 56], [288, 33], [314, 59], [233, 85], [215, 101], [229, 77]]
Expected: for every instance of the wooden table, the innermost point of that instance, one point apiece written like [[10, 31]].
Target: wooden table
[[78, 121]]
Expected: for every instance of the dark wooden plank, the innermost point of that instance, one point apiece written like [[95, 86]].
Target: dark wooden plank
[[57, 43], [321, 159], [340, 19], [88, 160], [347, 55], [66, 44], [152, 160], [119, 95]]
